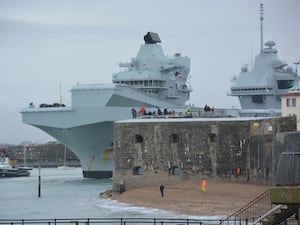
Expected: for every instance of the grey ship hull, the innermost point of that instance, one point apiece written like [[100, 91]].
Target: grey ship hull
[[87, 139], [88, 131]]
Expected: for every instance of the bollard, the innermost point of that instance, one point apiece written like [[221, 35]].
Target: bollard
[[39, 183], [122, 186]]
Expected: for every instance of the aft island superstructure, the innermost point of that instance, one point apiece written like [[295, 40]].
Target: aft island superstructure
[[151, 80], [262, 86]]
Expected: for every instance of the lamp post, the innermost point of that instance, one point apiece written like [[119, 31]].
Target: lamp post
[[24, 155]]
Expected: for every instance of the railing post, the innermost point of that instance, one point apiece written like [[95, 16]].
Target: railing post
[[246, 221], [187, 222], [154, 221], [121, 221], [22, 222], [88, 221]]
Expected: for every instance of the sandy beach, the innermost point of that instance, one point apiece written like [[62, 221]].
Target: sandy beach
[[221, 197]]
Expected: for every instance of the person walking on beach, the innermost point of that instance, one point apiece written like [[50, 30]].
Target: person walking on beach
[[161, 188]]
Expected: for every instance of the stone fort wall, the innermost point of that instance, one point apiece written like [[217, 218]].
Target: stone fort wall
[[154, 151]]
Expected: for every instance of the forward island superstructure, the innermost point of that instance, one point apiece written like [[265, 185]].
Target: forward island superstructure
[[151, 80]]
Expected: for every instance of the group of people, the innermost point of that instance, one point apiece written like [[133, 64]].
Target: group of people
[[188, 113], [142, 111], [209, 109]]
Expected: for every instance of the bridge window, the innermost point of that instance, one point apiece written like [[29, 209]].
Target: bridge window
[[138, 139], [258, 98], [285, 84], [138, 170], [174, 138]]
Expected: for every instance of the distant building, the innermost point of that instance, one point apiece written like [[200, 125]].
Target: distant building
[[290, 104], [50, 154]]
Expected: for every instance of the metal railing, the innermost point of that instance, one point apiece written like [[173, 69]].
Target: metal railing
[[110, 221], [247, 214], [253, 210]]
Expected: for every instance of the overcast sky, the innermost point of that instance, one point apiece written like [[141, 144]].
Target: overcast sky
[[47, 43]]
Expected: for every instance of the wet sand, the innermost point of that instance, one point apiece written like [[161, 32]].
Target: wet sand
[[221, 197]]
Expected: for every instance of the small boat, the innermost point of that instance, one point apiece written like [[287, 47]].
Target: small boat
[[24, 167], [7, 170], [64, 167]]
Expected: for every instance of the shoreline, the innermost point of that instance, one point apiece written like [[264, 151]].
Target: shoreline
[[222, 198]]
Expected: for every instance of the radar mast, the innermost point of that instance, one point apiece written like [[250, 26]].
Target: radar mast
[[261, 26]]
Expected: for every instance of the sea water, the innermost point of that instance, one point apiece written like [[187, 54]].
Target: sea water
[[66, 194]]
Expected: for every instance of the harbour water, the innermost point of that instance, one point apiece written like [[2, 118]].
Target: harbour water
[[66, 194]]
